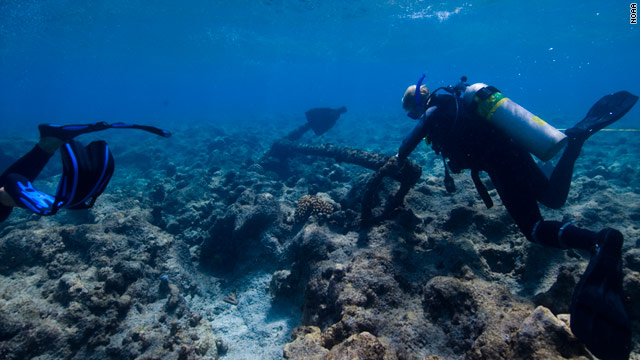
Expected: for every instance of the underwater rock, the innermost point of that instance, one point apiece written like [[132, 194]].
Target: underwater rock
[[307, 344], [452, 303], [71, 287], [23, 248], [361, 346], [631, 286], [174, 298], [311, 244], [459, 218], [632, 259], [543, 336], [253, 220], [282, 283], [355, 319], [484, 321], [31, 342], [558, 297], [243, 222]]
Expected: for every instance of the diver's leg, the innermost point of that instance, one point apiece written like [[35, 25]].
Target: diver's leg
[[29, 166], [519, 172], [555, 192], [518, 185], [563, 235], [520, 203]]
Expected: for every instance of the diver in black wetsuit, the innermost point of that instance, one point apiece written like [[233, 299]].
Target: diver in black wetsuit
[[86, 170], [598, 317]]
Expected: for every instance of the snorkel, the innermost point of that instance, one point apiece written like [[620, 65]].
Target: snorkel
[[417, 112], [418, 84]]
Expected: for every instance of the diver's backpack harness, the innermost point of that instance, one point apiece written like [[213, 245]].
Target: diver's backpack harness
[[449, 184], [86, 173]]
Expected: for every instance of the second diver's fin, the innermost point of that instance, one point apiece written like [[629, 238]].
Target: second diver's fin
[[323, 119], [603, 113], [68, 132], [598, 316], [151, 129]]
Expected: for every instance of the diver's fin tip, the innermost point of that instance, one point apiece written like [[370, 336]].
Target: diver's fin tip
[[598, 316], [603, 113]]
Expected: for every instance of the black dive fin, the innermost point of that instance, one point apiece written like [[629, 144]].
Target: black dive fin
[[68, 132], [604, 112], [151, 129], [598, 316], [323, 119], [86, 173]]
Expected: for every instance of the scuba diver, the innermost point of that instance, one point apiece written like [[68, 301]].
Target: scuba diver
[[86, 170], [475, 127]]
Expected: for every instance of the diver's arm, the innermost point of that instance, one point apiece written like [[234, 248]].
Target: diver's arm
[[415, 136]]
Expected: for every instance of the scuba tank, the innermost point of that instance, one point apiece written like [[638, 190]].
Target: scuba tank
[[529, 131]]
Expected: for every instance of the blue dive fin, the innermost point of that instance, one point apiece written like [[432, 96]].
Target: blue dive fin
[[86, 171], [26, 196]]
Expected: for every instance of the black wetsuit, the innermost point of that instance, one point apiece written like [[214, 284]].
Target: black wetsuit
[[472, 143], [29, 166]]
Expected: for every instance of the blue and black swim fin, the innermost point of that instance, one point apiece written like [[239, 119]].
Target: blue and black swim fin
[[26, 196], [86, 173], [68, 132]]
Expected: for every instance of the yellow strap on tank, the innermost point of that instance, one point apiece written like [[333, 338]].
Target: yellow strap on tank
[[495, 107], [614, 130], [538, 121], [488, 106]]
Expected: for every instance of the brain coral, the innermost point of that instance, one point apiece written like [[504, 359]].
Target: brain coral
[[311, 205]]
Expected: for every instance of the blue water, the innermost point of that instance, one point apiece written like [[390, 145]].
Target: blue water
[[164, 61]]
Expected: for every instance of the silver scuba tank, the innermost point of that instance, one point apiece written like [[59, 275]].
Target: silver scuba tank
[[529, 131]]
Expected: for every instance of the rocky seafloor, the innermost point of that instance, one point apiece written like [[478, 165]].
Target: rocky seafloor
[[196, 250]]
